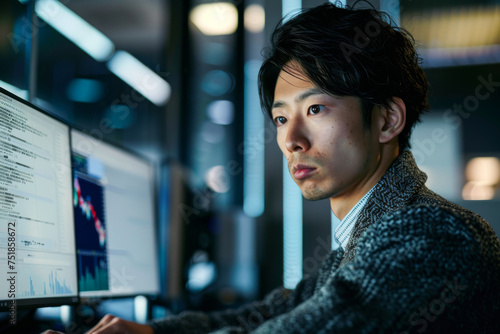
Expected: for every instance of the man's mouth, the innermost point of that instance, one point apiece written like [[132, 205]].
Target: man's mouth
[[301, 172]]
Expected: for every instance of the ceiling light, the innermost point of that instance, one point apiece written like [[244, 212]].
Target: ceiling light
[[483, 170], [140, 77], [218, 18], [221, 112], [475, 191], [73, 27], [218, 179], [461, 27], [255, 18]]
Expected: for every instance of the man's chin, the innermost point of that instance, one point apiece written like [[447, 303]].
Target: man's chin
[[314, 196]]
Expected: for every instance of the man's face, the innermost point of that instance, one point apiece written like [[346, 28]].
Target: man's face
[[330, 153]]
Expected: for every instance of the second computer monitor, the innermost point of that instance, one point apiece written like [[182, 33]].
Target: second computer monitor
[[115, 222]]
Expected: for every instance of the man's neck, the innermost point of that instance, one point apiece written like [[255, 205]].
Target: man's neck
[[342, 204]]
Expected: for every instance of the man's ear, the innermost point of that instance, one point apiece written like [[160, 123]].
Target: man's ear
[[391, 121]]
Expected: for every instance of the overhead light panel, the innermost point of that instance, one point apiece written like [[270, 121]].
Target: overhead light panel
[[140, 77], [221, 112], [461, 27], [483, 175], [485, 170], [218, 179], [218, 18], [255, 18], [73, 27]]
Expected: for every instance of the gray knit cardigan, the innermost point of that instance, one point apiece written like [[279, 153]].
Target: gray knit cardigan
[[415, 263]]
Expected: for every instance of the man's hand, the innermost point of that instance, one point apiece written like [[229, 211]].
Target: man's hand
[[110, 324]]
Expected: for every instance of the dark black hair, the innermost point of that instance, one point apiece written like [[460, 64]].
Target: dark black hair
[[348, 52]]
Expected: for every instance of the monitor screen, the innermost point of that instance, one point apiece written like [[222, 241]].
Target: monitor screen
[[115, 221], [37, 237]]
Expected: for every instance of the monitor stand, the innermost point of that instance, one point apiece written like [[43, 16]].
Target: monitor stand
[[80, 318]]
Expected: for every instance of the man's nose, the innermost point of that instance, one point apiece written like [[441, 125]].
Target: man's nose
[[297, 136]]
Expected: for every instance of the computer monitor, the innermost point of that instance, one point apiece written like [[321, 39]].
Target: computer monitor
[[37, 237], [115, 220]]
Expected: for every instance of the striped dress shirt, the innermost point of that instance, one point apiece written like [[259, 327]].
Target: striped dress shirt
[[342, 229]]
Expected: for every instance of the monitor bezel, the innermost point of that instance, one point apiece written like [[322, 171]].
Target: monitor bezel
[[23, 303]]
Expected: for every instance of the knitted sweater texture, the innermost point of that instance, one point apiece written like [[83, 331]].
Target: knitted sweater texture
[[415, 263]]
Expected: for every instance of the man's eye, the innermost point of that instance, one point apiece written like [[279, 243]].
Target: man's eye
[[314, 109], [280, 120]]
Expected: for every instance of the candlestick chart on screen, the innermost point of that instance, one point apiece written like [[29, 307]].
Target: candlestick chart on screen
[[90, 229]]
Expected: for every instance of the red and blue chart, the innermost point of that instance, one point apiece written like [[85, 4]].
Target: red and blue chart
[[90, 229]]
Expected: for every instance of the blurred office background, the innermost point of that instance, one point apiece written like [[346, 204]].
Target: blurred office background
[[176, 81]]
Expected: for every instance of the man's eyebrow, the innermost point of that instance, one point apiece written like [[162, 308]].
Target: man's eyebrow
[[278, 104], [300, 98], [309, 92]]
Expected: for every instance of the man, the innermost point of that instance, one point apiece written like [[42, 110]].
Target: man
[[345, 89]]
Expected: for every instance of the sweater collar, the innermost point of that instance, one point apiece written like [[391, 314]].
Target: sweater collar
[[395, 190]]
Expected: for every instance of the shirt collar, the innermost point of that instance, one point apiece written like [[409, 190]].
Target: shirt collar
[[343, 230]]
